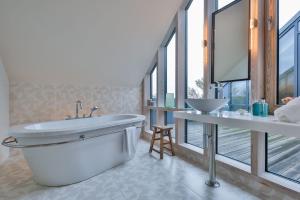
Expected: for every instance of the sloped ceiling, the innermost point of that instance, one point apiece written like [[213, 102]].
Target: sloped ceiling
[[101, 42]]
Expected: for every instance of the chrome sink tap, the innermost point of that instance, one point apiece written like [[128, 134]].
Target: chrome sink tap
[[78, 105], [218, 89], [93, 109]]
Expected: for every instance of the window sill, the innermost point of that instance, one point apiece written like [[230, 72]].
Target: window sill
[[234, 163], [192, 148], [280, 181]]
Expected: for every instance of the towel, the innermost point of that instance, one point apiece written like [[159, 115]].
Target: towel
[[289, 112], [131, 140]]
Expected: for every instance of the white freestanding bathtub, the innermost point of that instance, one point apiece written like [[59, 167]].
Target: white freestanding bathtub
[[70, 151]]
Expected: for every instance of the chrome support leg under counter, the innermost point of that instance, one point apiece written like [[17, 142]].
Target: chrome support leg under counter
[[211, 131]]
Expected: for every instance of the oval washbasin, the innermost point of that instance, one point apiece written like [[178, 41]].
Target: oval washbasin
[[207, 105]]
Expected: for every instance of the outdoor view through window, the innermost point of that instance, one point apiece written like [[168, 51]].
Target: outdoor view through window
[[283, 153], [170, 97], [195, 68]]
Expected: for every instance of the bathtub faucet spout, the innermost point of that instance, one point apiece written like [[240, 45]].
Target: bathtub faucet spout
[[78, 105], [93, 110]]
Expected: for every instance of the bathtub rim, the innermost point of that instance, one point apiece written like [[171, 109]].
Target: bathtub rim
[[20, 130]]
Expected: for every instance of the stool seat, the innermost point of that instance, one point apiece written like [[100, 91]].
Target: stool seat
[[163, 127], [162, 131]]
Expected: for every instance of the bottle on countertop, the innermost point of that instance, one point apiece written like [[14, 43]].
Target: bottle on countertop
[[264, 108], [260, 108], [256, 108]]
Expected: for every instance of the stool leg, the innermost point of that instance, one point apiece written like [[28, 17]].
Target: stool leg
[[152, 141], [161, 144], [171, 144]]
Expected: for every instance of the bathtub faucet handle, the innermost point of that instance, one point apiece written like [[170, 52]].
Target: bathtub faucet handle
[[93, 109]]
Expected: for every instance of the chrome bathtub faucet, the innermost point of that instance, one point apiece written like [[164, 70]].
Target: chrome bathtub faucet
[[93, 109], [78, 105]]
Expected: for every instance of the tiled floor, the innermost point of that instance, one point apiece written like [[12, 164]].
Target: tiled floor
[[145, 177]]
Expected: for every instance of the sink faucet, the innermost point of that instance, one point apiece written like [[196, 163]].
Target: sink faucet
[[218, 89], [78, 105], [93, 109]]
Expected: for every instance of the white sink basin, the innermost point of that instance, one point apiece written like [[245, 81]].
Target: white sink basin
[[207, 105]]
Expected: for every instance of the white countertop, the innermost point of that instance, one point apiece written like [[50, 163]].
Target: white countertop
[[247, 121]]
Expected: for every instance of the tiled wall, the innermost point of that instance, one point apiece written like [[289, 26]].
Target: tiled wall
[[30, 102]]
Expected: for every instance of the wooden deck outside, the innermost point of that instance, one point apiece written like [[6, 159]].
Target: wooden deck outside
[[283, 152]]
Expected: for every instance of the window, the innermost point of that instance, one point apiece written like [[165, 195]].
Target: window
[[233, 142], [238, 94], [171, 72], [288, 45], [153, 120], [283, 156], [170, 95], [222, 3], [170, 121], [283, 153], [153, 94], [195, 66], [153, 84]]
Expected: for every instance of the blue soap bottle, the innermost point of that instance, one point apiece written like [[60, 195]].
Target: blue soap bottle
[[264, 108], [257, 108]]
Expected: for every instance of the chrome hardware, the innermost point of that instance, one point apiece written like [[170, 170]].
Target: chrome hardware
[[212, 181], [218, 88], [78, 104], [93, 109]]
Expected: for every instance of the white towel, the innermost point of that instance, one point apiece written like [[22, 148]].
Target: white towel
[[289, 112], [131, 140]]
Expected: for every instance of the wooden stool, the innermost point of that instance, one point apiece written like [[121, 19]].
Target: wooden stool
[[162, 131]]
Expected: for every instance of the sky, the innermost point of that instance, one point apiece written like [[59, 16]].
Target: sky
[[195, 61], [287, 9], [171, 65]]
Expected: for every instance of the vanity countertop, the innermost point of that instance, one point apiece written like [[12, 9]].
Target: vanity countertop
[[247, 121]]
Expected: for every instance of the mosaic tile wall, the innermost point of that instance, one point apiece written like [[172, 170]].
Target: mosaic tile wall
[[31, 102]]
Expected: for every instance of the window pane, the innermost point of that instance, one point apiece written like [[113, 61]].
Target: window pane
[[233, 142], [170, 121], [153, 94], [152, 118], [287, 10], [195, 133], [283, 153], [171, 72], [195, 62], [238, 94], [283, 156], [289, 17], [287, 65], [222, 3]]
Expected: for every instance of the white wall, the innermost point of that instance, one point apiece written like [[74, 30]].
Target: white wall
[[4, 110], [103, 42]]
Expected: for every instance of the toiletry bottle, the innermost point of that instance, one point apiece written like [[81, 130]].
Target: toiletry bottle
[[257, 108], [264, 108]]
